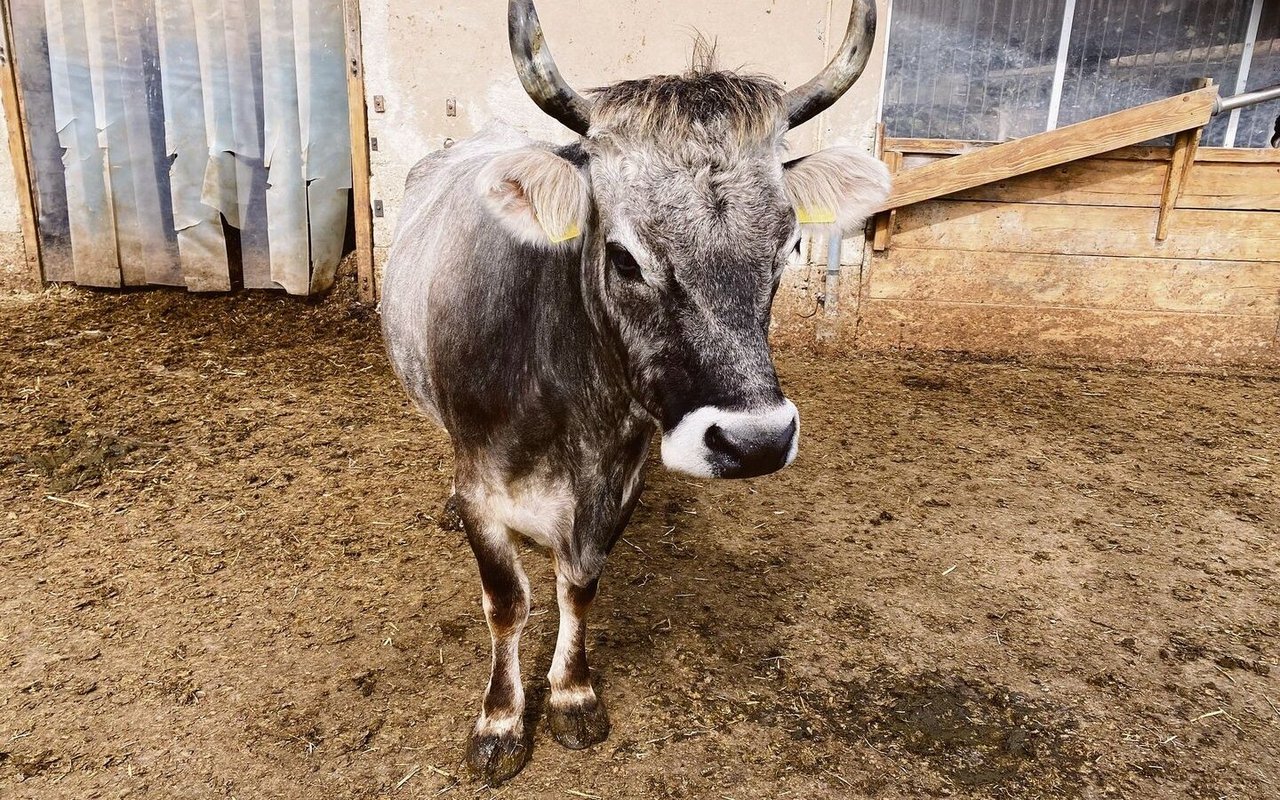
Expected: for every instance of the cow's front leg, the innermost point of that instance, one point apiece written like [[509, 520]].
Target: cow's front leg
[[497, 748], [576, 715]]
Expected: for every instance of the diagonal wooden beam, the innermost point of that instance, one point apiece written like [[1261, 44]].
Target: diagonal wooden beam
[[1181, 159], [1043, 150]]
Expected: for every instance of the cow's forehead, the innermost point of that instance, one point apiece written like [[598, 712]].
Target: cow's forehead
[[723, 194]]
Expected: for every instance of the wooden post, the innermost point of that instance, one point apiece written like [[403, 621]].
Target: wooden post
[[15, 120], [358, 119], [885, 219], [1181, 159]]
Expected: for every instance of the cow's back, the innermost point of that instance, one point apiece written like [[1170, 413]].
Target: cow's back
[[470, 313]]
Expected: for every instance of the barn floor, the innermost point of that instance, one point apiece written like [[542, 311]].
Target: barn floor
[[220, 576]]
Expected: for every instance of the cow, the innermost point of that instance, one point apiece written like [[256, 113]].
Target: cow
[[556, 307]]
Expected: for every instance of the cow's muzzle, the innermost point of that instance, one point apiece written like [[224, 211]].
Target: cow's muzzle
[[712, 442]]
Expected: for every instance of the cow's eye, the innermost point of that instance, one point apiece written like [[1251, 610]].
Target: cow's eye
[[622, 261]]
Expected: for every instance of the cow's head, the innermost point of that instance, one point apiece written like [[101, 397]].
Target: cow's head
[[685, 214]]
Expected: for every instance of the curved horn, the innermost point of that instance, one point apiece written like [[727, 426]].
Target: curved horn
[[537, 69], [816, 96]]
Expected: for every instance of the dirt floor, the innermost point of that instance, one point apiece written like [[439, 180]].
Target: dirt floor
[[221, 576]]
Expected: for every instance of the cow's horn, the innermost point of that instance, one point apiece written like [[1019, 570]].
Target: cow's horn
[[537, 69], [816, 96]]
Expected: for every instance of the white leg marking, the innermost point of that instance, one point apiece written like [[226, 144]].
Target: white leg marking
[[569, 643], [504, 666]]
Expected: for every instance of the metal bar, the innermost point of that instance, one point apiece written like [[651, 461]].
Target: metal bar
[[1247, 99], [884, 64], [1242, 79], [831, 285], [1060, 70]]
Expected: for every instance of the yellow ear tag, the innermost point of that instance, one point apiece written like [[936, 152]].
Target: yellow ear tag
[[572, 232], [815, 216]]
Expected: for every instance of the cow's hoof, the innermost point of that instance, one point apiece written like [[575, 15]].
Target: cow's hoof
[[579, 726], [450, 516], [494, 758]]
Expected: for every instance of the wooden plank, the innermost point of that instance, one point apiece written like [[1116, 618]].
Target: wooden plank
[[1092, 137], [1121, 182], [1094, 335], [16, 124], [1247, 288], [1089, 230], [951, 147], [1183, 157], [1228, 155], [359, 122], [1232, 185], [1092, 181]]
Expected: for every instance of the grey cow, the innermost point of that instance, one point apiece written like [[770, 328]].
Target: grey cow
[[554, 307]]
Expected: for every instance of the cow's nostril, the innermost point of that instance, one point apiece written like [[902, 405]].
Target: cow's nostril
[[750, 452], [718, 442]]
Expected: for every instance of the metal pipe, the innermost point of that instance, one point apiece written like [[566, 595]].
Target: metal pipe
[[1247, 99], [831, 286]]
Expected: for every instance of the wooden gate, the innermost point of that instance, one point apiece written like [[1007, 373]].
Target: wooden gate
[[196, 143]]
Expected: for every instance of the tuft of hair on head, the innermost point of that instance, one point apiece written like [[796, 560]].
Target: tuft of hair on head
[[693, 116], [705, 56]]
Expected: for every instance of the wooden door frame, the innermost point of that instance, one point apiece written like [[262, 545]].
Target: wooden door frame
[[358, 118], [19, 147]]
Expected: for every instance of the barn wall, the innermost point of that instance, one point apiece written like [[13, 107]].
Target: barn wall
[[1061, 263], [418, 55], [1065, 262]]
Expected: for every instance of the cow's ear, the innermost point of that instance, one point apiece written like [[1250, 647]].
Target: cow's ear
[[836, 188], [539, 196]]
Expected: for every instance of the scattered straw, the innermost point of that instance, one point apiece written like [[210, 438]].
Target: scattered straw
[[416, 769], [65, 501]]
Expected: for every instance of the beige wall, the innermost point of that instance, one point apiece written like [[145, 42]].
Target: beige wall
[[419, 54]]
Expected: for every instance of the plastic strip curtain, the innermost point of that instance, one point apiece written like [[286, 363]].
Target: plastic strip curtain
[[31, 51], [201, 241], [89, 206], [188, 142]]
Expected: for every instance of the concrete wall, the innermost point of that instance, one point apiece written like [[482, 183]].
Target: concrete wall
[[420, 54]]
